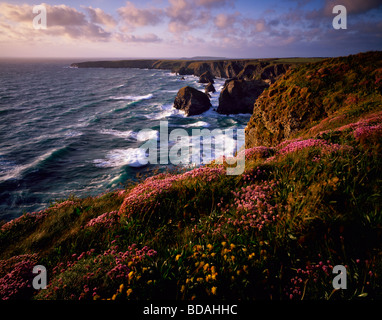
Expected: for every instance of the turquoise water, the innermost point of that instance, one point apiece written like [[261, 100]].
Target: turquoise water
[[66, 131]]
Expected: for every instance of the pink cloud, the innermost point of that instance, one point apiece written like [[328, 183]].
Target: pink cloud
[[98, 16], [136, 17]]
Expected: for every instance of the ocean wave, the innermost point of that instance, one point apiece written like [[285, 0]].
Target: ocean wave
[[197, 124], [73, 133], [165, 111], [133, 157], [121, 134], [134, 98], [145, 134], [16, 171]]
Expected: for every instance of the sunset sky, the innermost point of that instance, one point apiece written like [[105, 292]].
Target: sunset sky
[[187, 28]]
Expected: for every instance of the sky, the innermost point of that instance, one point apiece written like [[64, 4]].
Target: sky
[[189, 28]]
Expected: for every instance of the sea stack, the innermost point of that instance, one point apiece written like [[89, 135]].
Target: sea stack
[[239, 96], [192, 101]]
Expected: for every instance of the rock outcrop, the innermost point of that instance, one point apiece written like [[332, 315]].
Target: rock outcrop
[[310, 97], [239, 96], [192, 101], [209, 88], [206, 77]]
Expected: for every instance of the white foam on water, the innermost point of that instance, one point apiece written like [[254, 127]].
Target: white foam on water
[[73, 133], [165, 111], [133, 157], [204, 151], [134, 98], [17, 171], [121, 134], [197, 124], [145, 134]]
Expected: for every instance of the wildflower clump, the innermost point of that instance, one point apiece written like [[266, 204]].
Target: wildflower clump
[[253, 207], [144, 195], [16, 276], [88, 276], [219, 271], [107, 220]]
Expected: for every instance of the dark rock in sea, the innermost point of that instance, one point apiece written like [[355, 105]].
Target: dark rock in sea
[[206, 77], [239, 96], [209, 88], [192, 101]]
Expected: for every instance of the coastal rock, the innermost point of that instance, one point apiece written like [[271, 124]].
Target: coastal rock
[[191, 101], [206, 77], [239, 96], [304, 101], [251, 71], [273, 72], [209, 88]]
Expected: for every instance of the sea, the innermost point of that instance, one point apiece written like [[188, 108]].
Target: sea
[[74, 132]]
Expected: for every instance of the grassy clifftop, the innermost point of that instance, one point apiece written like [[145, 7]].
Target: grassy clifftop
[[302, 206]]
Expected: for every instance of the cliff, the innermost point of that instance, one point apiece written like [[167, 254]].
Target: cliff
[[246, 69], [334, 90]]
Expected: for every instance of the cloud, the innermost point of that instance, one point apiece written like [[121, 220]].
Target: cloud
[[223, 21], [184, 16], [256, 25], [215, 3], [62, 21], [181, 10], [136, 17], [146, 38], [98, 16], [353, 6]]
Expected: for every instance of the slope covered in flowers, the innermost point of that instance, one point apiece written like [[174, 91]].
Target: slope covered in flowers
[[302, 206]]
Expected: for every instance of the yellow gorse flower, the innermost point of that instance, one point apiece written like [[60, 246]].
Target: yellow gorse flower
[[213, 290]]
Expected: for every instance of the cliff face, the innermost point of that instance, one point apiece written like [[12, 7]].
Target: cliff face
[[241, 69], [338, 88], [249, 69]]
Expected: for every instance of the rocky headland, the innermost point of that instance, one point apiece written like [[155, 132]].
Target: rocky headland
[[248, 77]]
